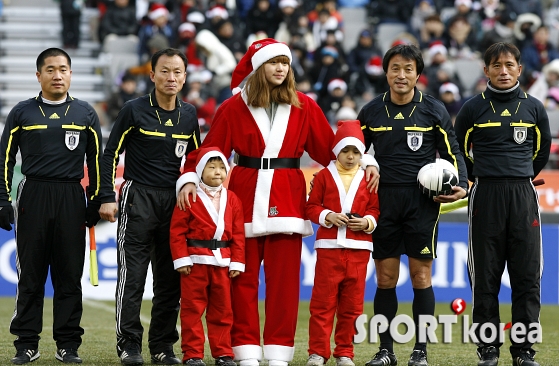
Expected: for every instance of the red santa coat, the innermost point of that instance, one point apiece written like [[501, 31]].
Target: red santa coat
[[329, 195], [273, 200], [203, 222]]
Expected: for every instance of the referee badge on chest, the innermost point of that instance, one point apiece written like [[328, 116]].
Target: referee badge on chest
[[72, 139], [520, 134], [180, 148], [415, 139]]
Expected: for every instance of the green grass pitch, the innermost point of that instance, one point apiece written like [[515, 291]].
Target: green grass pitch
[[98, 346]]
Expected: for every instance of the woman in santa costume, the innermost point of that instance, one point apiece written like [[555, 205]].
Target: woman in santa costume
[[269, 125], [347, 214]]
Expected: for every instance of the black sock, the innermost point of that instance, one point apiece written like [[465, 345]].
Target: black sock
[[386, 303], [423, 304]]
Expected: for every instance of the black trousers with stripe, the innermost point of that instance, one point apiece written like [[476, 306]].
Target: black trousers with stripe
[[50, 233], [143, 237], [505, 228]]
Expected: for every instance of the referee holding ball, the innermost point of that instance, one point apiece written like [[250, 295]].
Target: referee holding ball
[[504, 135], [407, 128]]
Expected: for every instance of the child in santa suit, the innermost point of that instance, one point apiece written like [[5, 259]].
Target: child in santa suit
[[269, 125], [347, 214], [208, 249]]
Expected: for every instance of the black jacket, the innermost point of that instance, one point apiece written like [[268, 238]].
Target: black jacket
[[53, 140], [407, 137], [155, 140], [507, 133]]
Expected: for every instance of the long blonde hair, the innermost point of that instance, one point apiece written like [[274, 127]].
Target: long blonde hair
[[258, 89]]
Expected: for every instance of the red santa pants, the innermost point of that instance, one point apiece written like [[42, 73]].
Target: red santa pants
[[282, 265], [339, 289], [207, 288]]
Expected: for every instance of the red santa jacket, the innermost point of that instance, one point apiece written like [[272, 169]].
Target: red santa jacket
[[203, 222], [329, 195], [273, 199]]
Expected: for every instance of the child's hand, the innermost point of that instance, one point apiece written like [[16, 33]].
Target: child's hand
[[184, 270], [338, 219], [358, 224], [233, 274]]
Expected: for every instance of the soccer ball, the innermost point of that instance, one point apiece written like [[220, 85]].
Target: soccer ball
[[437, 178]]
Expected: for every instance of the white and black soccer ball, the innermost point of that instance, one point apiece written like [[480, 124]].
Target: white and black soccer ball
[[437, 178]]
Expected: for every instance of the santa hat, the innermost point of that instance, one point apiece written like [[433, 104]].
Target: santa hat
[[437, 47], [374, 66], [336, 83], [257, 54], [468, 3], [195, 17], [450, 88], [205, 154], [217, 11], [157, 10], [288, 3], [349, 133], [187, 30]]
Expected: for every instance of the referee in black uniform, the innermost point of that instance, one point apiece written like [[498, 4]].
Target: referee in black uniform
[[407, 128], [54, 132], [156, 131], [504, 135]]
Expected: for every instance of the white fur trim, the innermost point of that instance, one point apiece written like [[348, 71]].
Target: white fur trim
[[322, 218], [346, 141], [158, 13], [280, 225], [189, 177], [348, 244], [247, 351], [374, 223], [278, 353], [236, 90], [210, 259], [181, 262], [369, 160], [237, 266], [207, 156], [269, 52]]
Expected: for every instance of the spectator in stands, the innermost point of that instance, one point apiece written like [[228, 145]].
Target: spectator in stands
[[460, 39], [326, 67], [219, 60], [119, 19], [537, 54], [215, 14], [548, 78], [158, 23], [524, 28], [371, 79], [289, 12], [503, 31], [488, 14], [450, 96], [71, 11], [433, 30], [199, 94], [525, 6], [323, 23], [440, 70], [421, 11], [333, 38], [227, 34], [142, 71], [301, 32], [127, 90], [262, 18], [362, 52], [328, 5], [464, 8], [331, 102], [390, 11]]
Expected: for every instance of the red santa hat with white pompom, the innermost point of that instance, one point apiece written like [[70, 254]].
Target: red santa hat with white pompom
[[258, 53], [348, 133]]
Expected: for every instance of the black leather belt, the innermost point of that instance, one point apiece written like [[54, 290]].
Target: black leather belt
[[267, 163], [210, 244]]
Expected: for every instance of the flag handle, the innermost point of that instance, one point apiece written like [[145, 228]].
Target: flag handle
[[93, 270]]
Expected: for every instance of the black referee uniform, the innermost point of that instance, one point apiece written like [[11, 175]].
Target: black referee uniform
[[50, 211], [155, 141], [506, 140], [405, 138]]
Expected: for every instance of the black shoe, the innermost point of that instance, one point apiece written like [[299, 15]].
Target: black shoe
[[131, 355], [383, 358], [418, 358], [225, 361], [25, 356], [526, 358], [165, 358], [194, 362], [488, 356], [68, 355]]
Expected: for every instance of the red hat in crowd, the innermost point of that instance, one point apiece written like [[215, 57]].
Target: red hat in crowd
[[157, 10], [374, 66], [349, 133], [205, 154], [258, 53], [336, 83]]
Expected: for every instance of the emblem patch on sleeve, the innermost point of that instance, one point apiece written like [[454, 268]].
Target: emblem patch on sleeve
[[72, 139], [180, 148], [520, 134], [415, 139]]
